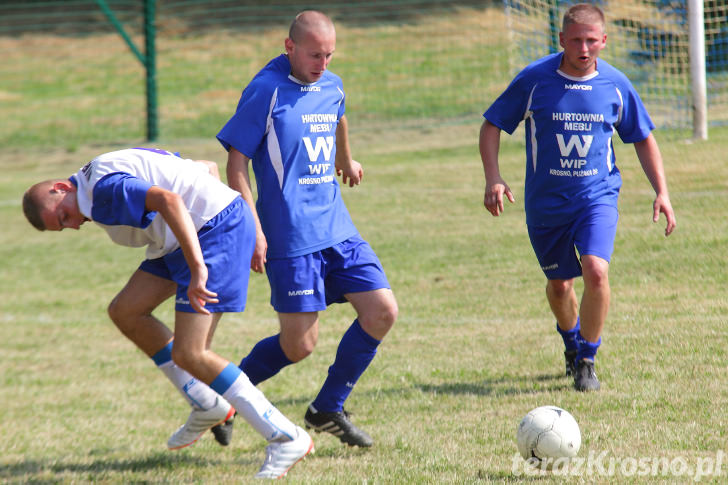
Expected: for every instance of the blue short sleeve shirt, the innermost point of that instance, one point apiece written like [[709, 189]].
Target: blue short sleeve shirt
[[569, 123], [288, 129]]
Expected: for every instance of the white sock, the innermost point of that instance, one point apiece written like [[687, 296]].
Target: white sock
[[197, 393], [252, 405]]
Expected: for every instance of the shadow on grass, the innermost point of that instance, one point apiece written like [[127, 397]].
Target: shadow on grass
[[505, 477], [505, 385], [502, 386], [164, 462]]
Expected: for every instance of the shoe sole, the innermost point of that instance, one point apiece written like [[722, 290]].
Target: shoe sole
[[587, 389], [230, 414]]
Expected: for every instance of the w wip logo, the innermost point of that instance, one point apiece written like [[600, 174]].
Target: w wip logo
[[325, 144], [581, 145]]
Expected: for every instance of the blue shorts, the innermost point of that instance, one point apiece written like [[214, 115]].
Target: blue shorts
[[592, 233], [227, 241], [311, 282]]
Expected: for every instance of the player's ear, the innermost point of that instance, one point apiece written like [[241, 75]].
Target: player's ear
[[63, 187]]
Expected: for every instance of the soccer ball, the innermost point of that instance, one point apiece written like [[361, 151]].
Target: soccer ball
[[547, 434]]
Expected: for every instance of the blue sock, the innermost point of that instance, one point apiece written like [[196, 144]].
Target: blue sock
[[265, 360], [164, 355], [356, 350], [587, 350], [225, 379], [569, 336]]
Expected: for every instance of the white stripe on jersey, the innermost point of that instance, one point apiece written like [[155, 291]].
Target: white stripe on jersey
[[274, 148]]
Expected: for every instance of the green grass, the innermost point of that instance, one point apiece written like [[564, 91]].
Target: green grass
[[473, 350], [69, 91], [474, 347]]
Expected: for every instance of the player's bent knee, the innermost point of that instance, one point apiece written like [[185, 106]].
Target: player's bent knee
[[185, 359], [298, 351], [118, 314], [378, 323]]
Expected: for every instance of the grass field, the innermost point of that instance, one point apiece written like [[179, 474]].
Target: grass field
[[75, 90], [473, 350], [474, 347]]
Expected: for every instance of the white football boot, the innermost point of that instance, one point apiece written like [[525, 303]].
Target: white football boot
[[199, 421], [282, 455]]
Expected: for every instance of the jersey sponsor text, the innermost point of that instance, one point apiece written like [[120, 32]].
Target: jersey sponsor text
[[580, 87], [318, 118], [320, 127], [586, 117], [326, 179], [323, 144]]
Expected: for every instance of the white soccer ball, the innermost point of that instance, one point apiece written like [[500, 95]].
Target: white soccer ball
[[548, 435]]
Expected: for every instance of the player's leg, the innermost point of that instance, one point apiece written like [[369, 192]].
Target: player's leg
[[595, 300], [196, 361], [227, 242], [563, 302], [592, 314], [376, 311], [297, 294], [295, 341], [554, 249], [355, 275], [131, 311], [594, 239], [299, 334], [288, 443], [565, 307]]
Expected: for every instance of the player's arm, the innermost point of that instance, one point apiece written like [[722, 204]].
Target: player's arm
[[238, 175], [211, 167], [495, 186], [171, 207], [350, 170], [651, 160]]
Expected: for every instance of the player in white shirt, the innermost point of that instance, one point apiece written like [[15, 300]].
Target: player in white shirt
[[200, 236]]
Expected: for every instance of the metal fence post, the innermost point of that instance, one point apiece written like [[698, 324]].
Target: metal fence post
[[148, 59], [150, 33]]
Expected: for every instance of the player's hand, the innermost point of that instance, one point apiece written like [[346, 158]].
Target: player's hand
[[351, 174], [493, 199], [257, 262], [198, 293], [662, 204]]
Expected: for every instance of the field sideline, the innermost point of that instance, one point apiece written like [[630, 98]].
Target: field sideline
[[473, 350]]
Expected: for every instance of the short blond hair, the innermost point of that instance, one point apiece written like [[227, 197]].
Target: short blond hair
[[33, 204], [583, 13]]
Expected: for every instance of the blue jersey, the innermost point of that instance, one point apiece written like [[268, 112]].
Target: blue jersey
[[288, 129], [570, 161]]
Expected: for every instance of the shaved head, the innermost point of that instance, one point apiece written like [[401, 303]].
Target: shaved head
[[310, 45], [307, 22]]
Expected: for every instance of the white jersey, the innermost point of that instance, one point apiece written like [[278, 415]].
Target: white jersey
[[112, 190]]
